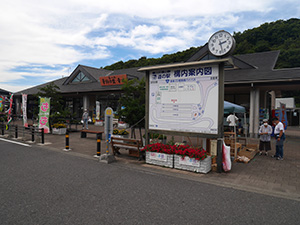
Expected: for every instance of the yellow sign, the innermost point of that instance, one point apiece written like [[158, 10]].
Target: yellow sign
[[108, 112]]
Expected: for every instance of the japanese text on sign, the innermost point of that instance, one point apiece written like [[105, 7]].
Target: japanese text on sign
[[113, 80], [184, 99]]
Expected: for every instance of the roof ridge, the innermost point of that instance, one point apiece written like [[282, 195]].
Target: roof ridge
[[93, 67], [256, 53]]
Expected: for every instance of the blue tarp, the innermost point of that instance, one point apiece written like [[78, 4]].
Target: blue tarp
[[233, 108]]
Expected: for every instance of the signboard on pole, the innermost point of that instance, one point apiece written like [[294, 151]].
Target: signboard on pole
[[185, 99], [108, 128], [44, 113]]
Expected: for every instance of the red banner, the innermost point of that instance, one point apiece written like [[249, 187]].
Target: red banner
[[113, 80]]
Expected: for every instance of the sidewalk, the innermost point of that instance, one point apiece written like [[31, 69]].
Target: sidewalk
[[263, 174]]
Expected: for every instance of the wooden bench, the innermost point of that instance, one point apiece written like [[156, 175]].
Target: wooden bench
[[133, 145], [98, 133]]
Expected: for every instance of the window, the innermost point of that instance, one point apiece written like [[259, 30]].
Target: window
[[80, 78]]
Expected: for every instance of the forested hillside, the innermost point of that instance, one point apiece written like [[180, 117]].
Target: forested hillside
[[144, 61], [280, 35]]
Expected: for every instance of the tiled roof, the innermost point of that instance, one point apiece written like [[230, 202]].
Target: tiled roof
[[263, 69], [261, 60]]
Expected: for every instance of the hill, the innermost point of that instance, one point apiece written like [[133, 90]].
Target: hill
[[280, 35]]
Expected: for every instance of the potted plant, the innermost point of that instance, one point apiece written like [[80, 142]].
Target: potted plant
[[159, 154], [59, 128], [182, 157], [121, 133], [192, 159]]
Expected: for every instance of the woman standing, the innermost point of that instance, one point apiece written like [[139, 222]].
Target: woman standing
[[265, 132]]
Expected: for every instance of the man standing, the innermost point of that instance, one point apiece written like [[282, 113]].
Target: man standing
[[85, 118], [280, 137], [232, 119]]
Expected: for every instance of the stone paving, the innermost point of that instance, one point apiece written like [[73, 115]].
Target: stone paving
[[263, 174]]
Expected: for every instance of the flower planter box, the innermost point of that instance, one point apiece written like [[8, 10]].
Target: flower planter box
[[194, 165], [59, 130], [99, 123], [160, 159], [120, 136]]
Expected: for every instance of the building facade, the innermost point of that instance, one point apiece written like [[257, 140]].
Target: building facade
[[251, 81]]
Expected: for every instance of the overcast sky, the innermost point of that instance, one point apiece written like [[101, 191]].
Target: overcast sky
[[43, 40]]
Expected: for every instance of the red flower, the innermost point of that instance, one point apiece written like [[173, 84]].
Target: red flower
[[182, 150]]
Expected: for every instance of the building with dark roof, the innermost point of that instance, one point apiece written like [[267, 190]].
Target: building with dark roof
[[4, 92], [83, 88], [254, 82], [251, 81]]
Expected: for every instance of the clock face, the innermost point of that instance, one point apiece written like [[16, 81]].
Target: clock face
[[221, 43]]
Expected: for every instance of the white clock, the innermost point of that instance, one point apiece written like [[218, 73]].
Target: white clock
[[221, 43]]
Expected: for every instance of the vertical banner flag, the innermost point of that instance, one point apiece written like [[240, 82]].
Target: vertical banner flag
[[24, 109], [97, 110], [9, 111], [1, 103], [282, 115], [44, 114]]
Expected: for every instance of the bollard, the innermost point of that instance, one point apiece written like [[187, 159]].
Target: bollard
[[43, 136], [107, 147], [2, 128], [98, 147], [16, 131], [32, 134], [67, 141]]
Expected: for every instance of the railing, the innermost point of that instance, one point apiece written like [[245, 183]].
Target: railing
[[33, 134]]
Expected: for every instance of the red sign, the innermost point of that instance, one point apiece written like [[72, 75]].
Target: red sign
[[113, 80]]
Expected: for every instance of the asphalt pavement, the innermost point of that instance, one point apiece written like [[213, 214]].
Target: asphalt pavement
[[41, 185], [263, 174]]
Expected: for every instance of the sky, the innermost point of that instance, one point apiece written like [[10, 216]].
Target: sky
[[44, 40]]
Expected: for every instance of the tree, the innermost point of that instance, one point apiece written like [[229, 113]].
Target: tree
[[132, 103], [57, 111]]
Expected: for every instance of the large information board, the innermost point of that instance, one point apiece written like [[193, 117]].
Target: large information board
[[184, 99]]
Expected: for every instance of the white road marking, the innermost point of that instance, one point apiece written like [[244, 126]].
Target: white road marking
[[15, 142]]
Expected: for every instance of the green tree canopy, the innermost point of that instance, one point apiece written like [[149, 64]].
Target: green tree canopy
[[132, 102], [57, 110]]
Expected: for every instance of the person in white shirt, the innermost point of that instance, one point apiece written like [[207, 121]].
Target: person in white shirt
[[280, 137], [265, 132], [231, 120], [85, 117]]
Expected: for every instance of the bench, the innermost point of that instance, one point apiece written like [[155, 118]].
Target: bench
[[133, 145], [98, 133]]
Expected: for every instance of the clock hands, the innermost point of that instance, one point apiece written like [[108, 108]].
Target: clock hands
[[221, 43]]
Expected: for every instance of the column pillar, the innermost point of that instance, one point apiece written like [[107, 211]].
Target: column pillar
[[273, 102], [254, 112], [85, 102]]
